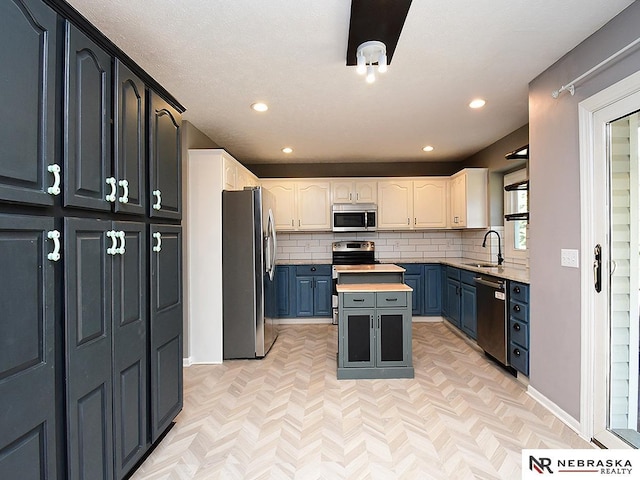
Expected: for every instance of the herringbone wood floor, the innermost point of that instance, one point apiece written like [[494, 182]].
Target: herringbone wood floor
[[288, 417]]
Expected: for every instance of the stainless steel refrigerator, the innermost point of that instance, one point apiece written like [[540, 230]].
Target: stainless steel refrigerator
[[248, 272]]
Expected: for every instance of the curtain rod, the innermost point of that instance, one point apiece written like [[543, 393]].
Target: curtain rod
[[570, 86]]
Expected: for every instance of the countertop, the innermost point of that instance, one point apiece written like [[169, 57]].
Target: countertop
[[376, 268], [517, 273], [373, 287]]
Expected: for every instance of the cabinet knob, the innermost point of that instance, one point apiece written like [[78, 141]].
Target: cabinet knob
[[313, 269], [516, 352], [516, 289], [516, 327], [516, 308]]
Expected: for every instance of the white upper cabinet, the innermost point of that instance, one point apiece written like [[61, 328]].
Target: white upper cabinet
[[235, 175], [301, 205], [314, 208], [230, 171], [469, 200], [395, 204], [354, 191], [430, 202]]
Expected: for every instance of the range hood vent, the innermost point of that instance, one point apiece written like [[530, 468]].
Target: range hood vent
[[521, 153]]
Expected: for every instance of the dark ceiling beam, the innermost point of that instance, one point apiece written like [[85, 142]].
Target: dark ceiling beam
[[380, 20]]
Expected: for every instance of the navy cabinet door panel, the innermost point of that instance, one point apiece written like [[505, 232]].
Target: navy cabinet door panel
[[130, 348], [88, 349], [468, 310], [165, 195], [283, 289], [166, 328], [322, 296], [453, 301], [27, 337], [28, 53], [304, 296], [432, 290], [129, 140], [87, 143], [415, 282]]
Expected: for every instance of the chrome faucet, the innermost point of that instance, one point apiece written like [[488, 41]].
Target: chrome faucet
[[484, 245]]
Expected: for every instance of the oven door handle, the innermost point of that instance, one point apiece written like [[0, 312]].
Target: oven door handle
[[496, 285]]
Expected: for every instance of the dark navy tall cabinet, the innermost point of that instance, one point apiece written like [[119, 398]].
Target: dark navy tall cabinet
[[90, 249]]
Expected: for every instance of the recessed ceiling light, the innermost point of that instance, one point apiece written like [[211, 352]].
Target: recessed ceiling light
[[477, 103], [428, 148], [259, 107], [287, 150]]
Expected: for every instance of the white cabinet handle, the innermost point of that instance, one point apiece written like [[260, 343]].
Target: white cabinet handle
[[121, 249], [158, 204], [55, 236], [125, 191], [112, 196], [113, 235], [158, 246], [55, 188]]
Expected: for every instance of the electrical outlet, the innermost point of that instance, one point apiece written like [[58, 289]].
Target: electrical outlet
[[569, 258]]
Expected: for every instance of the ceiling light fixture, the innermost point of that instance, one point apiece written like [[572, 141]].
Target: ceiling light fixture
[[369, 54], [477, 103], [428, 148], [259, 107], [287, 150]]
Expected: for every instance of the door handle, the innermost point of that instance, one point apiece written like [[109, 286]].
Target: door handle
[[158, 246], [55, 236], [55, 188], [125, 191], [111, 197], [158, 195], [597, 268]]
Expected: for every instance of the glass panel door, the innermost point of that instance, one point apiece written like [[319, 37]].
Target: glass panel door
[[624, 206]]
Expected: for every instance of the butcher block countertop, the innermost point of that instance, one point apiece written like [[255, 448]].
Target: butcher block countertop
[[373, 287], [377, 268]]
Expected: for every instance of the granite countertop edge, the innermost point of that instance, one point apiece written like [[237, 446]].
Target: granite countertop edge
[[516, 273]]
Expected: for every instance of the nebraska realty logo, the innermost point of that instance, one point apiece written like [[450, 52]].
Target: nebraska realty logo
[[584, 463]]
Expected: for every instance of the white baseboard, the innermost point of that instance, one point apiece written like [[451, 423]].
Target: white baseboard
[[427, 319], [302, 321], [564, 417], [187, 361]]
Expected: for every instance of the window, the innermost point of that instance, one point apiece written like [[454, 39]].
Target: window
[[515, 231]]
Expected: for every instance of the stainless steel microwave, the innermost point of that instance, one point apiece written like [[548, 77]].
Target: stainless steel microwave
[[354, 218]]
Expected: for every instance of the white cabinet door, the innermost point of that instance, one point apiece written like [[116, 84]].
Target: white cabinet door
[[342, 192], [285, 214], [458, 200], [366, 191], [229, 173], [314, 208], [430, 203], [395, 204], [469, 200]]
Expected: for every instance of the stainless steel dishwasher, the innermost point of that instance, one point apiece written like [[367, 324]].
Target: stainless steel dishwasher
[[491, 309]]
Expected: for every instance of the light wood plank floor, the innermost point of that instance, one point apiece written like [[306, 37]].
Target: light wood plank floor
[[288, 417]]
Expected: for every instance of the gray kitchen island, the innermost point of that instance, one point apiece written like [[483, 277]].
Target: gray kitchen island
[[374, 322]]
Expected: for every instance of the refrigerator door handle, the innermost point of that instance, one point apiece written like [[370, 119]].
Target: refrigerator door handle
[[271, 246]]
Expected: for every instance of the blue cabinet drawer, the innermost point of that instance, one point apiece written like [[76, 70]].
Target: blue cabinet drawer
[[391, 299], [468, 277], [519, 311], [519, 358], [412, 268], [519, 292], [453, 272], [357, 300], [519, 332], [304, 270]]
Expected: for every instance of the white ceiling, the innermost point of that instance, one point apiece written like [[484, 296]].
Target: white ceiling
[[217, 57]]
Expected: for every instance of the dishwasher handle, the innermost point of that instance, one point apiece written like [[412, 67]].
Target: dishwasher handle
[[482, 281]]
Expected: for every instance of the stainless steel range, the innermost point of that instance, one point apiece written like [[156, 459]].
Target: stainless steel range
[[350, 252]]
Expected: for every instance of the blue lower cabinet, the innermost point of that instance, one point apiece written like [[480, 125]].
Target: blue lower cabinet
[[413, 276], [468, 318], [432, 290], [322, 296], [284, 297], [312, 287], [453, 301], [304, 296], [519, 326]]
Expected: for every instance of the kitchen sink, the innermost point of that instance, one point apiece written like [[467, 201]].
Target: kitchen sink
[[482, 265]]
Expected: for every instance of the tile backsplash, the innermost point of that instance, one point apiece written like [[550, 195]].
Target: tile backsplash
[[393, 246]]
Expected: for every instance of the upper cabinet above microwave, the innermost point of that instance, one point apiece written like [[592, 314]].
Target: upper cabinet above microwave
[[354, 191]]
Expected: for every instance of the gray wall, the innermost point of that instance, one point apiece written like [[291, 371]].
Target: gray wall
[[191, 138], [312, 170], [554, 172]]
